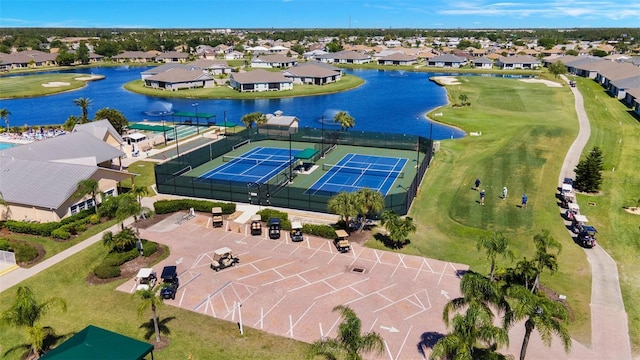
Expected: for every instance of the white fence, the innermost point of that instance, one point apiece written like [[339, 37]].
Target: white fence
[[7, 258]]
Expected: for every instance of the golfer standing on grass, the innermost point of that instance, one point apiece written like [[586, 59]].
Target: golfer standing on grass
[[482, 193], [504, 193], [524, 200], [477, 183]]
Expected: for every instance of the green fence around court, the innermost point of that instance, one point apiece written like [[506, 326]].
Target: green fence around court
[[171, 178]]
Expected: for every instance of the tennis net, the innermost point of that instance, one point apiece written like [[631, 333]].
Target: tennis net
[[363, 171], [252, 161]]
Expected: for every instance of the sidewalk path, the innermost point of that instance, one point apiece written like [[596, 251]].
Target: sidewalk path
[[609, 322]]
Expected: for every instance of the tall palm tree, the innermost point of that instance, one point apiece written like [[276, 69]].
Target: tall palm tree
[[343, 204], [122, 241], [150, 299], [26, 312], [495, 245], [399, 228], [256, 117], [369, 201], [128, 206], [89, 187], [84, 103], [473, 336], [345, 120], [140, 192], [540, 313], [4, 114], [479, 292], [350, 343]]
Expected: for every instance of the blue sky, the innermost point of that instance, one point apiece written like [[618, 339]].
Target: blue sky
[[319, 13]]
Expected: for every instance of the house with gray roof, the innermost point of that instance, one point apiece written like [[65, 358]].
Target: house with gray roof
[[273, 61], [618, 88], [482, 63], [397, 58], [160, 69], [172, 57], [518, 62], [313, 73], [447, 60], [26, 59], [632, 99], [39, 179], [102, 130], [179, 78], [349, 57], [134, 56], [619, 72], [212, 67], [260, 80]]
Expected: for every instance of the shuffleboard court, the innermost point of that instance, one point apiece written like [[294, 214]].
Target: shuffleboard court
[[355, 171], [258, 165]]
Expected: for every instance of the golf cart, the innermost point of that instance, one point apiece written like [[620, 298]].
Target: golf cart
[[274, 228], [341, 242], [577, 224], [256, 225], [296, 231], [216, 216], [170, 282], [146, 279], [587, 236], [223, 258], [573, 209]]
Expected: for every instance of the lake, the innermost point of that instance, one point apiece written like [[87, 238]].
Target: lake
[[389, 101]]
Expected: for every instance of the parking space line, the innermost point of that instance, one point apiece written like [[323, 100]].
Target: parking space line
[[442, 273], [401, 256], [421, 304], [338, 289], [386, 346], [211, 295], [263, 315], [334, 325], [373, 325], [377, 292], [404, 341], [290, 276], [313, 283], [299, 319]]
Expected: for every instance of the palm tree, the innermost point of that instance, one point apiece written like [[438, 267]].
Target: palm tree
[[345, 120], [140, 192], [369, 201], [543, 259], [350, 343], [255, 117], [473, 336], [26, 312], [84, 103], [481, 293], [547, 316], [343, 204], [128, 206], [150, 298], [399, 228], [4, 114], [495, 245], [88, 187], [122, 241]]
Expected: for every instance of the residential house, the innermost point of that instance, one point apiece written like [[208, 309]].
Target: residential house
[[172, 57], [135, 56], [348, 57], [26, 59], [234, 55], [212, 67], [260, 80], [40, 178], [482, 63], [518, 62], [102, 130], [447, 60], [313, 73], [179, 78], [632, 99], [398, 59], [273, 61], [160, 69]]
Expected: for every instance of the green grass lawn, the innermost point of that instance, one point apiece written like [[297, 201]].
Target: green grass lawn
[[224, 92], [31, 86], [526, 130], [146, 176]]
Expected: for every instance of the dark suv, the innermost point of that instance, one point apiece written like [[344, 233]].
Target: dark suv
[[170, 282]]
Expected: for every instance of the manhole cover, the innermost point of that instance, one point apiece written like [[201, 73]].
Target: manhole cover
[[357, 270]]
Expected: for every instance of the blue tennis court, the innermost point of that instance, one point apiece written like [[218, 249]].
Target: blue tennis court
[[354, 172], [255, 166]]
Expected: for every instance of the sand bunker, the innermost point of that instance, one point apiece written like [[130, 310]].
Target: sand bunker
[[546, 82], [56, 84], [446, 80], [89, 78]]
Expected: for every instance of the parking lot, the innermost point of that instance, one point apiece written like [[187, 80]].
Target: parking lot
[[289, 289]]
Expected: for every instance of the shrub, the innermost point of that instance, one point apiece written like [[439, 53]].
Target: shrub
[[94, 219], [104, 271], [41, 229], [4, 245], [267, 214], [169, 206], [61, 234], [118, 258], [24, 252], [149, 247], [78, 216], [324, 231]]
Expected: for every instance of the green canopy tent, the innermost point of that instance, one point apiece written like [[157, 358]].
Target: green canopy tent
[[197, 116], [96, 343]]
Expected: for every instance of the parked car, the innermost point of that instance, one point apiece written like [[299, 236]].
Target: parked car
[[146, 279], [170, 282], [223, 258], [296, 231], [274, 228]]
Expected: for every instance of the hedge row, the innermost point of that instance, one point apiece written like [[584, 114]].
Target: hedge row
[[324, 231], [65, 228], [169, 206], [110, 266], [267, 214]]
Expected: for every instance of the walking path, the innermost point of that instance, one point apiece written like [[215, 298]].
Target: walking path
[[609, 322]]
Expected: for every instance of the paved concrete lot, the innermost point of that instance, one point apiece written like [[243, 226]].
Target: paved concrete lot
[[289, 289]]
